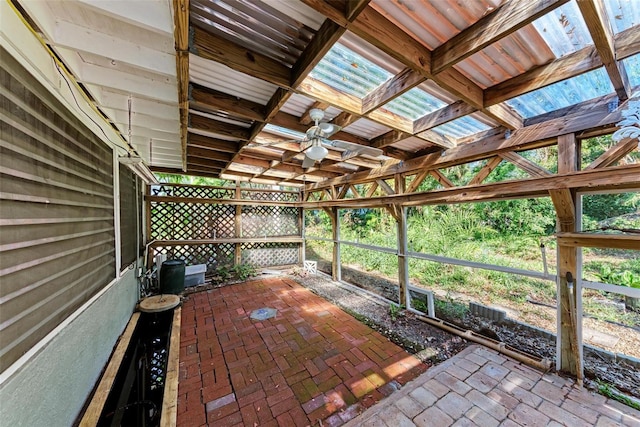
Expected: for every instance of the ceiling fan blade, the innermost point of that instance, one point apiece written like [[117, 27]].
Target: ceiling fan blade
[[348, 154], [355, 148], [271, 144], [307, 162]]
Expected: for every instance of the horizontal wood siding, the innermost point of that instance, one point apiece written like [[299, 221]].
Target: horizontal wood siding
[[56, 212]]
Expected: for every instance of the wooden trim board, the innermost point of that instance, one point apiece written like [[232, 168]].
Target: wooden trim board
[[92, 414], [170, 397]]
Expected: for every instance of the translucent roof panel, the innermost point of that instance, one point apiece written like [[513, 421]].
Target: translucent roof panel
[[623, 14], [349, 72], [564, 29], [459, 128], [559, 95], [414, 104], [632, 65]]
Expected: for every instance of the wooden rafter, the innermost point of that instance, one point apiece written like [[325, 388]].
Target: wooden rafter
[[508, 18], [205, 124], [206, 99], [534, 136], [393, 88], [595, 16], [444, 115], [181, 36]]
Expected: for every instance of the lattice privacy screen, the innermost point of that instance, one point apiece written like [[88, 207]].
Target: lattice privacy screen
[[202, 218]]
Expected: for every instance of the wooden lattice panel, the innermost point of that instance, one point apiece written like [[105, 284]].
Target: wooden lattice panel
[[270, 254], [213, 255], [191, 221], [265, 221], [268, 196], [192, 192]]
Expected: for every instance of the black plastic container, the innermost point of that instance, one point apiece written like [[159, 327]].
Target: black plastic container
[[172, 277]]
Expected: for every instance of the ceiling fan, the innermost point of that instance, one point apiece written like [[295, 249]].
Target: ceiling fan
[[316, 140]]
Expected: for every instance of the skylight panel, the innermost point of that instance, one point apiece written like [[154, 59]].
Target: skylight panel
[[559, 95], [564, 29], [623, 14], [632, 65], [348, 72], [414, 104], [459, 128]]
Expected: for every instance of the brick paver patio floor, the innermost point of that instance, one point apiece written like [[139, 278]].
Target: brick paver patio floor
[[479, 387], [311, 364]]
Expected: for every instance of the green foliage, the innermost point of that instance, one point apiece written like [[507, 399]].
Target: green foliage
[[191, 180], [419, 305], [611, 392], [600, 207], [244, 271], [395, 310], [622, 278], [449, 309]]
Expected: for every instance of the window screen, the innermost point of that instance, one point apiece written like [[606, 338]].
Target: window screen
[[56, 212], [130, 216]]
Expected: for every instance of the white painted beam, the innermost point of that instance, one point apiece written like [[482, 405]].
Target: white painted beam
[[161, 89], [145, 121], [79, 38], [113, 100], [154, 15]]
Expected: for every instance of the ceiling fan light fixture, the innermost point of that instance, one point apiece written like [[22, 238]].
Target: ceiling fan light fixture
[[316, 152], [316, 114]]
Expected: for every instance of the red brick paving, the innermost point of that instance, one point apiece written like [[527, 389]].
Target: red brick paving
[[311, 362]]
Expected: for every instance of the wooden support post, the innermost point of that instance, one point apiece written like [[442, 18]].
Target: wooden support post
[[403, 260], [237, 253], [569, 353], [302, 250], [336, 272]]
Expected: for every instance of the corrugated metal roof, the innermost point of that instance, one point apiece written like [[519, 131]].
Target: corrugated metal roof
[[414, 104], [366, 128], [623, 14], [432, 22], [507, 58], [587, 86], [298, 11], [224, 79], [436, 91], [459, 128], [412, 144], [298, 104], [632, 64], [347, 71], [255, 26], [564, 29]]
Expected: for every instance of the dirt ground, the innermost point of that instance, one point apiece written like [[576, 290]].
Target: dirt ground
[[433, 344]]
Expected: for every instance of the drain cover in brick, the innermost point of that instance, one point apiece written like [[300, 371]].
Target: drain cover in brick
[[263, 313]]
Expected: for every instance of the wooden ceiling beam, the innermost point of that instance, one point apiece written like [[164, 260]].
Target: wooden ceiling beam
[[206, 124], [214, 101], [534, 136], [213, 143], [305, 119], [181, 37], [505, 20], [437, 139], [382, 33], [203, 153], [571, 65], [328, 33], [344, 119], [443, 115], [200, 162], [619, 176], [389, 138], [595, 16], [391, 89], [210, 46], [627, 43]]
